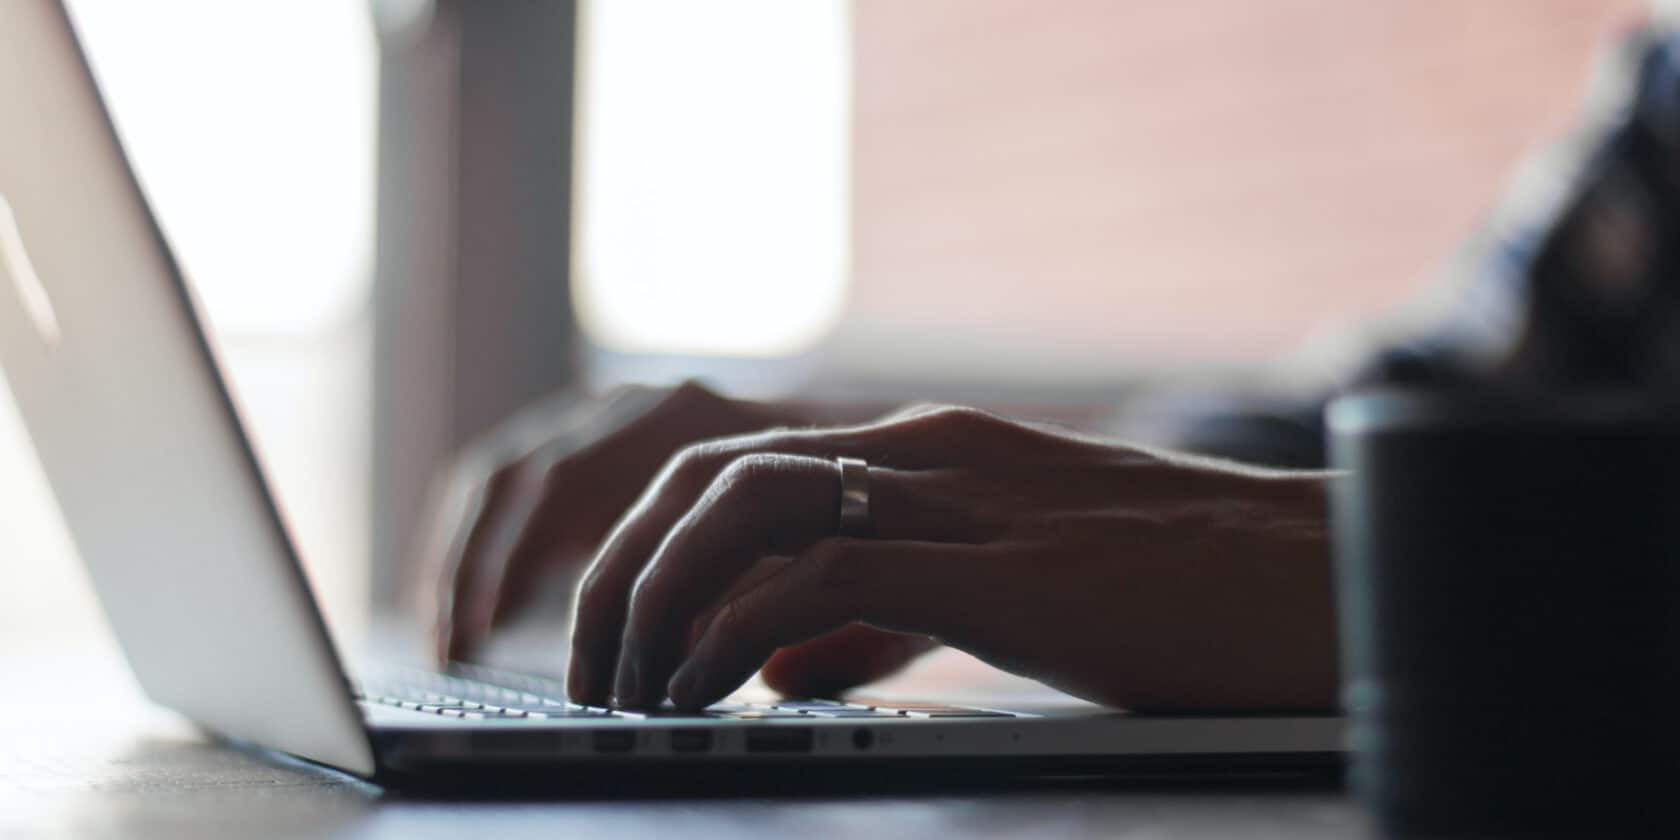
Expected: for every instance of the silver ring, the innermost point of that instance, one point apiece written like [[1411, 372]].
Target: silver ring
[[854, 497]]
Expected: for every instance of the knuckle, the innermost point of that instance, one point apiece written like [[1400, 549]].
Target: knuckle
[[691, 388], [963, 426], [589, 587], [556, 475], [477, 460], [914, 409], [646, 599], [961, 417], [640, 589], [945, 419], [502, 473], [694, 465], [753, 465], [686, 396], [747, 476], [731, 621], [505, 476]]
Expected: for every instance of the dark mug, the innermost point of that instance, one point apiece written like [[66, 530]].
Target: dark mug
[[1507, 574]]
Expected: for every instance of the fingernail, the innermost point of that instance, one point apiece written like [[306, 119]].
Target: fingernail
[[627, 688]]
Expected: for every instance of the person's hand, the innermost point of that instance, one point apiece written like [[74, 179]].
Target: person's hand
[[535, 498], [1136, 579]]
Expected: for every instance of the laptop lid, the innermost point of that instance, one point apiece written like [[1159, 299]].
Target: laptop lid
[[115, 381]]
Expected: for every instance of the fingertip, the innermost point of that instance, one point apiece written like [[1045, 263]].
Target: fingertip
[[840, 660], [794, 672], [459, 642], [685, 686], [782, 673], [579, 686], [627, 683]]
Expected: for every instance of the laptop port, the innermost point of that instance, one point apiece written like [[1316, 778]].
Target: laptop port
[[691, 740], [779, 739], [863, 739], [613, 740]]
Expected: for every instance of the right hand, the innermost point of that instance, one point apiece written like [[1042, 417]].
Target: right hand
[[536, 498]]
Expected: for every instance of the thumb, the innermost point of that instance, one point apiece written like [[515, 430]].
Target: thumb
[[841, 659]]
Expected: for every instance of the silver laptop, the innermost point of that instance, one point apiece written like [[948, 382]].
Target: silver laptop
[[108, 360]]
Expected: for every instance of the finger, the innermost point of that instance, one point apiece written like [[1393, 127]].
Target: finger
[[601, 599], [535, 551], [478, 561], [834, 662], [457, 526], [896, 585], [603, 595], [760, 505], [550, 538], [760, 571], [590, 479], [502, 539], [434, 551]]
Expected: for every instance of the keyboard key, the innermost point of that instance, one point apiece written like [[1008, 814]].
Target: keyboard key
[[929, 710], [809, 705], [851, 713], [915, 707], [957, 713], [560, 712]]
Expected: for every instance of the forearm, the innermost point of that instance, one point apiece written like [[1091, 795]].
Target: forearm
[[1215, 580]]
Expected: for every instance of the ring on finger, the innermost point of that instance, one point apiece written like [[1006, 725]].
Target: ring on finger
[[853, 520]]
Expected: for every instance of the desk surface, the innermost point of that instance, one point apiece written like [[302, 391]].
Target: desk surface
[[105, 764]]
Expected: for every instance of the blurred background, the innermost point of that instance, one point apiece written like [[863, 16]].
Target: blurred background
[[407, 218]]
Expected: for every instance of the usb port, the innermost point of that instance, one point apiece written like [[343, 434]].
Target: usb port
[[779, 739], [691, 740], [613, 740]]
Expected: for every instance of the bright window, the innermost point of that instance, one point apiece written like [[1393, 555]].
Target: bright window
[[251, 126], [712, 174], [1017, 192]]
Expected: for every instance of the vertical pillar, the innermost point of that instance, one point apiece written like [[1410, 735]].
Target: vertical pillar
[[472, 310]]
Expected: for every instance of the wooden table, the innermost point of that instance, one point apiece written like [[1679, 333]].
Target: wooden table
[[101, 762]]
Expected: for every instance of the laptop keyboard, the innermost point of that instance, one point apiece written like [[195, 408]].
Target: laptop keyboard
[[475, 693]]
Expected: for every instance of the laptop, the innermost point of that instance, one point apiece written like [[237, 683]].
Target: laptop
[[108, 360]]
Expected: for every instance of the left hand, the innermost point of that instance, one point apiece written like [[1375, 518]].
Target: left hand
[[1127, 577]]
